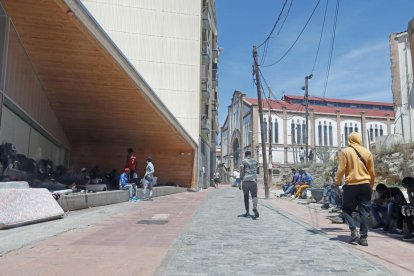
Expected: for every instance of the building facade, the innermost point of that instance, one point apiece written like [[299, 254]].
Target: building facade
[[330, 122], [69, 92], [401, 53], [173, 44]]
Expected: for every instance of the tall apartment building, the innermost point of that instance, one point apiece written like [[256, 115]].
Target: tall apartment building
[[173, 45], [402, 54], [82, 81]]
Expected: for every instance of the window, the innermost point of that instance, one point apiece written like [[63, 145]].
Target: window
[[371, 133], [346, 134], [376, 131], [276, 131], [298, 130], [303, 133], [292, 132], [356, 128], [330, 134], [381, 131], [325, 134], [320, 134], [265, 130]]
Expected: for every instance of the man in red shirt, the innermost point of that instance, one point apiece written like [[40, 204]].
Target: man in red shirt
[[131, 163]]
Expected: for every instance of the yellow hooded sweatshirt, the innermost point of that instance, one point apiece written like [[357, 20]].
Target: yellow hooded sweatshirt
[[349, 163]]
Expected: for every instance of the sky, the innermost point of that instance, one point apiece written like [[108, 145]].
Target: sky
[[360, 64]]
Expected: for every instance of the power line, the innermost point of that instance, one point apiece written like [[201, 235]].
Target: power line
[[274, 26], [266, 45], [320, 37], [284, 20], [331, 49], [296, 40]]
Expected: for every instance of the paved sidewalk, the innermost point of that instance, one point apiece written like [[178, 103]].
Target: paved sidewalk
[[388, 251], [116, 245], [218, 242]]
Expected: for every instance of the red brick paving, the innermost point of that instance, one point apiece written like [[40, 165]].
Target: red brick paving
[[116, 246]]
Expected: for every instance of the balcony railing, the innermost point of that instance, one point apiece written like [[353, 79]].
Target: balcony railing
[[206, 18], [214, 77], [205, 88], [205, 125], [206, 51]]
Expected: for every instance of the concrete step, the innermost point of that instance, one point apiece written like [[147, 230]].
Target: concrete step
[[81, 201]]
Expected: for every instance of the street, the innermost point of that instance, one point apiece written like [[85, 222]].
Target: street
[[182, 234]]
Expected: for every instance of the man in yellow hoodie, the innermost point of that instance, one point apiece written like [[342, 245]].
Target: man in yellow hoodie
[[357, 164]]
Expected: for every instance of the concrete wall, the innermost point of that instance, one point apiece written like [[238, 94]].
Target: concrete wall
[[162, 39]]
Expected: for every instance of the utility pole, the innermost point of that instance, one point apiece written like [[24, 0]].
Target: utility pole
[[259, 99], [307, 78], [270, 139]]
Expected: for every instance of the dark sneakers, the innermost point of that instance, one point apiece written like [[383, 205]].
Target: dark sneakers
[[363, 242], [246, 215], [256, 213], [354, 236]]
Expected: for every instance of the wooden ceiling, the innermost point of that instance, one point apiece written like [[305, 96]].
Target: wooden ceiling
[[102, 110]]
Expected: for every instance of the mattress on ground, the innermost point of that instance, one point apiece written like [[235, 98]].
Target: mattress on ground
[[24, 206], [14, 185]]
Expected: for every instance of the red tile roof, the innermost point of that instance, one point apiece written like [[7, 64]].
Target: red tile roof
[[278, 104], [333, 100]]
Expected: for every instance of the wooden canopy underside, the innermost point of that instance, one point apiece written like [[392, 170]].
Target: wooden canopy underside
[[102, 110]]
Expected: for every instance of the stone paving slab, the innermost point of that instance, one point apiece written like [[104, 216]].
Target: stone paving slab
[[385, 250], [218, 242]]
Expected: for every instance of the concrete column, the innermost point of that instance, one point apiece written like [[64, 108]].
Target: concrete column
[[312, 131], [285, 135], [388, 124], [364, 129], [338, 128]]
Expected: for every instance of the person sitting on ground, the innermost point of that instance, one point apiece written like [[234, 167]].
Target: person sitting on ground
[[331, 194], [289, 188], [124, 184], [407, 210], [388, 200], [304, 183]]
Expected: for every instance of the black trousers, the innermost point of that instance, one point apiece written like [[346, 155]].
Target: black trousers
[[250, 186], [357, 195]]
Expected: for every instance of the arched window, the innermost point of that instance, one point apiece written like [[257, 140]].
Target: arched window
[[381, 131], [265, 129], [292, 132], [325, 134], [276, 132], [330, 134], [320, 134], [299, 132], [376, 131], [356, 128]]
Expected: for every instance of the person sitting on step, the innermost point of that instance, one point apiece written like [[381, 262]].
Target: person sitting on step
[[388, 200], [304, 183]]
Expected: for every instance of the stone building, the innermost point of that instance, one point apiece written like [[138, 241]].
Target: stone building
[[330, 122]]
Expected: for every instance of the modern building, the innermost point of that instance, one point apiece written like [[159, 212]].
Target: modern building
[[402, 54], [173, 45], [330, 122], [72, 89]]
